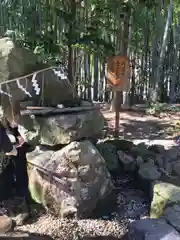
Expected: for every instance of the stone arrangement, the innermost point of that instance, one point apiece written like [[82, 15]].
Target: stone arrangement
[[63, 128], [156, 171], [68, 175], [142, 163], [90, 188]]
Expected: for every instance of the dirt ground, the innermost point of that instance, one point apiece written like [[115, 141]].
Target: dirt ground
[[137, 125]]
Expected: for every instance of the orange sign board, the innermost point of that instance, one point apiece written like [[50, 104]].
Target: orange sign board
[[118, 71]]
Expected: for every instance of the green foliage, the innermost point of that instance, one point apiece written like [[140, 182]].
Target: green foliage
[[48, 27], [51, 28], [155, 108], [158, 108]]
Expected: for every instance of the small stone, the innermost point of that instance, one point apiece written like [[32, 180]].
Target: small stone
[[139, 161], [128, 162], [151, 229], [173, 154], [108, 151], [168, 167], [156, 148], [150, 161], [172, 215], [142, 145], [121, 144], [6, 224], [149, 172], [176, 168], [159, 160], [141, 150], [20, 218]]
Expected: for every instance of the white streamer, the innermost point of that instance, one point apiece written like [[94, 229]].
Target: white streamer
[[35, 84], [20, 86], [5, 93], [60, 73]]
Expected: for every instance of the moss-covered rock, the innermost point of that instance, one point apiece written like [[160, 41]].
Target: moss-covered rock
[[164, 196]]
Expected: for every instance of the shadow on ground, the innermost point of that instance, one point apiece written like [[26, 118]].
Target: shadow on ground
[[140, 130], [24, 235], [140, 127]]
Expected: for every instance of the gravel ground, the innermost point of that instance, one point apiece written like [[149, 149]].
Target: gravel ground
[[130, 204], [72, 229]]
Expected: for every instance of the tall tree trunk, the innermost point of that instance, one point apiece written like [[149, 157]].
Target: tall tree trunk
[[95, 78], [159, 83], [176, 32], [72, 27], [146, 48], [128, 35], [156, 42]]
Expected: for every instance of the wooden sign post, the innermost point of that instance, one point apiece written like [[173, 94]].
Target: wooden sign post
[[118, 71]]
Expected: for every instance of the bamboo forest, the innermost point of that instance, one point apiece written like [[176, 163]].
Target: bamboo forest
[[83, 33], [90, 106]]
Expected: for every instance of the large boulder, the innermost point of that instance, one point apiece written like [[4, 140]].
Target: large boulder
[[62, 129], [48, 87], [71, 180], [15, 61]]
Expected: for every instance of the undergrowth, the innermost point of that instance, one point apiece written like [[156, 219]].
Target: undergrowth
[[163, 109], [157, 108]]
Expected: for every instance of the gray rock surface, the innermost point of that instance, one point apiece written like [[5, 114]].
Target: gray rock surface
[[62, 129], [172, 215], [109, 152], [148, 171], [76, 178], [128, 162], [152, 229], [16, 62], [176, 168]]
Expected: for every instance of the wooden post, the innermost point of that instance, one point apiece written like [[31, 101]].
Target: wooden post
[[117, 106], [118, 69], [117, 122]]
